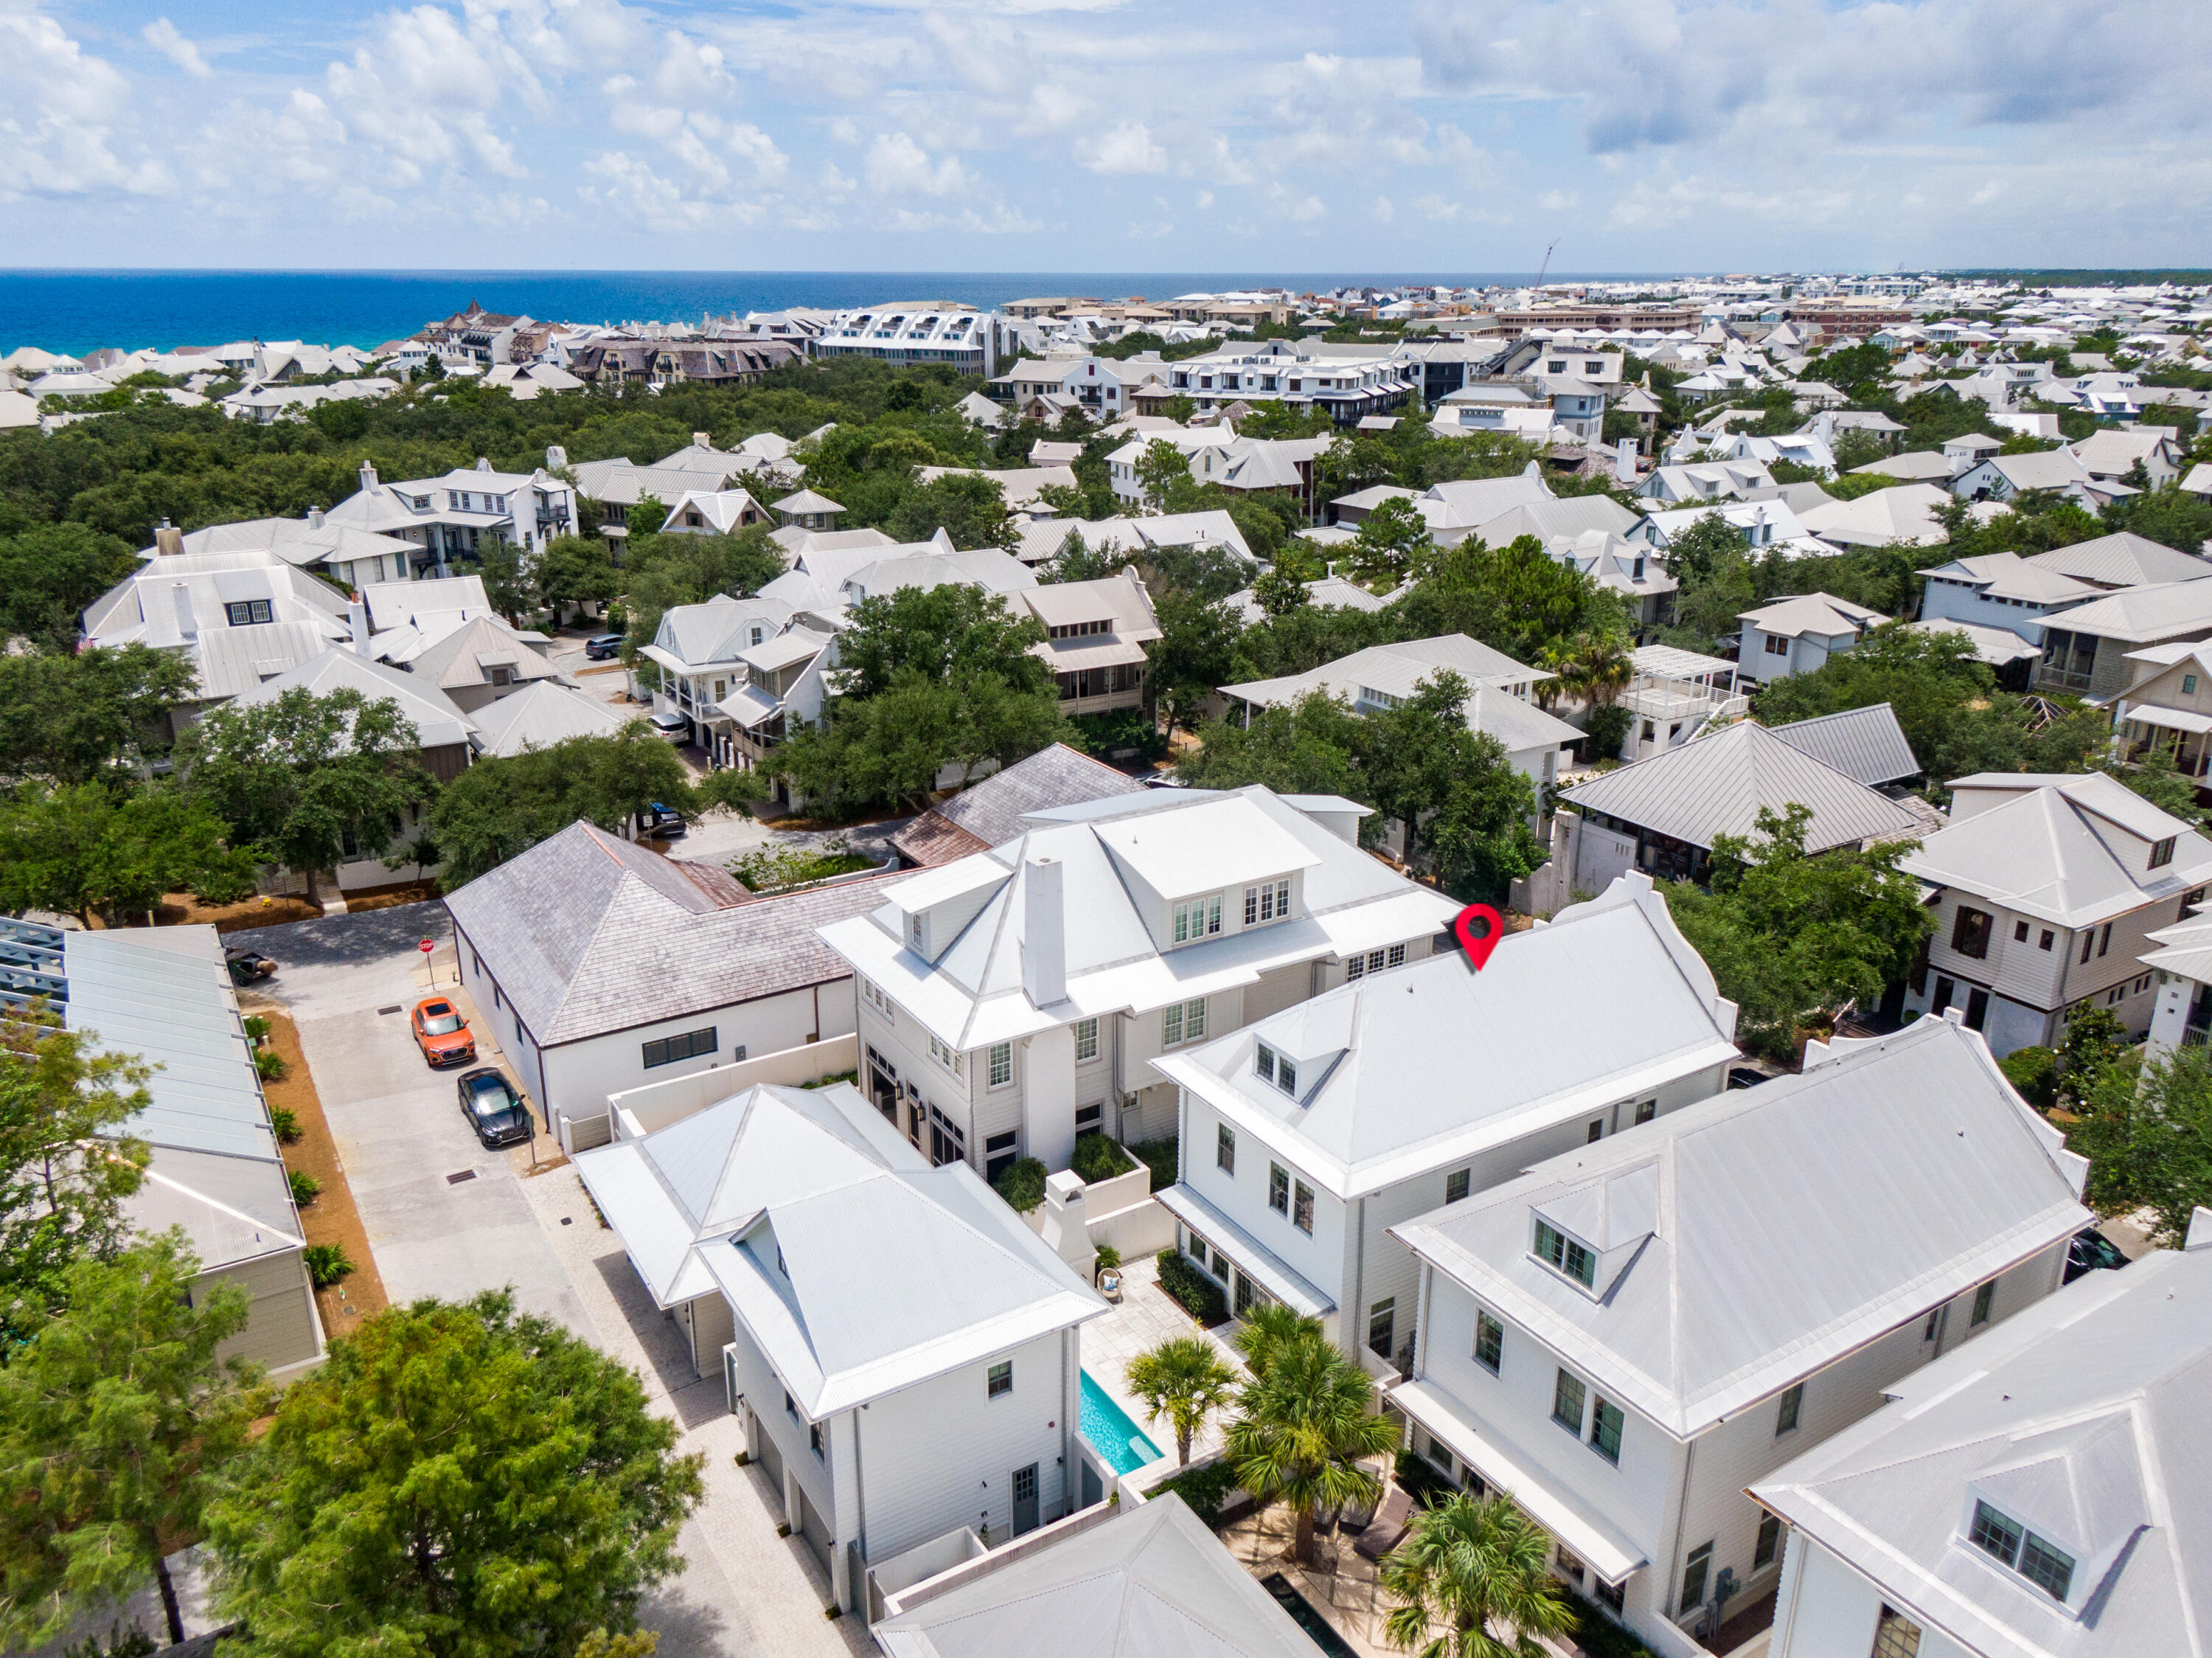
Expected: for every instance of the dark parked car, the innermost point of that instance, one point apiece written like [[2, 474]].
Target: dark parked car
[[1745, 1076], [494, 1109], [2092, 1252], [602, 647], [660, 821], [247, 965]]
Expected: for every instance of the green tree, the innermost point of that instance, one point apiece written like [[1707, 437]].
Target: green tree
[[303, 776], [507, 582], [1947, 705], [65, 1167], [1163, 477], [1517, 599], [1271, 1330], [1279, 593], [458, 1480], [97, 714], [49, 573], [663, 571], [96, 848], [1194, 654], [972, 510], [573, 572], [1308, 748], [2091, 1043], [1391, 543], [2148, 1135], [1303, 1430], [1790, 936], [500, 808], [646, 517], [892, 747], [2156, 778], [1481, 1569], [117, 1421], [947, 634], [1184, 1379]]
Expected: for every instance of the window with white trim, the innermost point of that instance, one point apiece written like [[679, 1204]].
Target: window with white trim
[[1375, 961], [872, 994], [1182, 1022], [1086, 1040], [1197, 917], [1269, 901], [1000, 1060], [1563, 1253], [948, 1057], [2005, 1540]]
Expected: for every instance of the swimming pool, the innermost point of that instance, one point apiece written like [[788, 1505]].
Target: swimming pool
[[1111, 1433]]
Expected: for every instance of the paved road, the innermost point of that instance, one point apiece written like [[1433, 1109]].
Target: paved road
[[400, 1136]]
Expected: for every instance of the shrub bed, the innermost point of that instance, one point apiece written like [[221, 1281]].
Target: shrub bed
[[1191, 1289]]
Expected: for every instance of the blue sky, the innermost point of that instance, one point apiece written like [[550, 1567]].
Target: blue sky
[[1106, 134]]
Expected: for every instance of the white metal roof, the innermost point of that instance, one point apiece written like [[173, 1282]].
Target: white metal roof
[[1388, 1092], [1790, 1224], [2082, 1419]]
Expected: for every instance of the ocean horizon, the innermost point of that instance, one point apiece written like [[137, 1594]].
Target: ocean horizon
[[74, 311]]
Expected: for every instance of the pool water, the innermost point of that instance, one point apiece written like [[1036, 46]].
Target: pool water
[[1110, 1432]]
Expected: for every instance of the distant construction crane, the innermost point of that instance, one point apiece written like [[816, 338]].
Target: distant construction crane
[[1542, 269]]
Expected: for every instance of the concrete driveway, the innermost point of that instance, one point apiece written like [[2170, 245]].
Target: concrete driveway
[[401, 1140]]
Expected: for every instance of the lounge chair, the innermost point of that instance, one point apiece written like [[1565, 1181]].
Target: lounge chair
[[1388, 1525]]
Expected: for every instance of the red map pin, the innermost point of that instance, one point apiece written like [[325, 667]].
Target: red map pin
[[1479, 944]]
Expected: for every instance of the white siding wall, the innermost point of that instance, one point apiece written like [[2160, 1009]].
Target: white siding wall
[[1667, 1496], [579, 1075], [942, 1454], [1828, 1611], [762, 1393]]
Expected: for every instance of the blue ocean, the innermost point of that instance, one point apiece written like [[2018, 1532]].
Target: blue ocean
[[74, 311]]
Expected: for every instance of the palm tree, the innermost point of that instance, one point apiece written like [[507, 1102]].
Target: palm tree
[[1185, 1381], [1478, 1567], [1593, 669], [1270, 1328], [1301, 1429]]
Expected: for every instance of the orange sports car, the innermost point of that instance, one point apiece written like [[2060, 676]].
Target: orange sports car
[[442, 1032]]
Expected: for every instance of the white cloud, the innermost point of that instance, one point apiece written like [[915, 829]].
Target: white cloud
[[163, 36], [1383, 212], [65, 116], [1128, 149], [897, 166]]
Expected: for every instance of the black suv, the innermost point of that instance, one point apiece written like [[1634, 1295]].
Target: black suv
[[493, 1108]]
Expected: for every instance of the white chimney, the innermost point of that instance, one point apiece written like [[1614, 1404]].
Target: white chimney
[[1044, 934], [168, 541], [187, 624], [314, 517], [703, 440], [482, 465], [368, 474], [357, 619], [1624, 461], [556, 457]]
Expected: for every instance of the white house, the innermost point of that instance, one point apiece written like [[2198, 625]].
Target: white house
[[1798, 635], [2002, 477], [701, 655], [452, 516], [602, 966], [1013, 999], [1308, 1133], [2109, 455], [2000, 589], [2045, 893], [1630, 1333], [904, 1351], [2038, 1493], [1500, 702]]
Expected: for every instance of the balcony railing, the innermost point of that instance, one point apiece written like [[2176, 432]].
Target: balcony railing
[[2193, 1036]]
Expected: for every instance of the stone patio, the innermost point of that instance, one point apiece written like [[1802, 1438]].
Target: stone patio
[[1146, 1317]]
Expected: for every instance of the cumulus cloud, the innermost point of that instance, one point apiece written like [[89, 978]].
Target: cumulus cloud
[[63, 117], [164, 37], [1128, 149], [897, 166]]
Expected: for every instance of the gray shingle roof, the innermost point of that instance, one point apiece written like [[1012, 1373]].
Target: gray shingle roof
[[990, 813], [1717, 784], [586, 933], [1863, 743]]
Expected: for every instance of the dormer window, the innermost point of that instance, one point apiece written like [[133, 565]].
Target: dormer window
[[1197, 917], [1277, 1068], [1268, 901], [1565, 1253], [2010, 1544], [2161, 853]]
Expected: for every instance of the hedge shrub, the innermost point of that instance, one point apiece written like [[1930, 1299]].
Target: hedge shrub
[[1097, 1158], [1023, 1186], [1195, 1293], [1204, 1488]]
